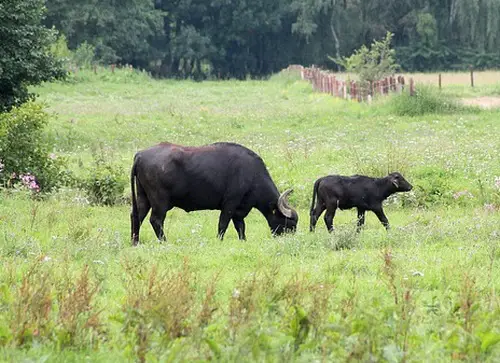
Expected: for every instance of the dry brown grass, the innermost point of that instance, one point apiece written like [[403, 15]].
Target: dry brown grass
[[456, 78], [447, 78]]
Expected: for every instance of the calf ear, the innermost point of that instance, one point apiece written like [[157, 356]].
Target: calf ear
[[395, 182]]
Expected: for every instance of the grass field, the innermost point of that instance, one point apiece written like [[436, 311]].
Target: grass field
[[73, 289]]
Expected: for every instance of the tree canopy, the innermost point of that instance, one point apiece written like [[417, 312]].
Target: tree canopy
[[238, 38], [24, 51]]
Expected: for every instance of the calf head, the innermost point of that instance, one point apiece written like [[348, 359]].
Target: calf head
[[284, 218], [399, 182]]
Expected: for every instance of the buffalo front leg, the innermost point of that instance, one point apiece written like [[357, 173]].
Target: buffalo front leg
[[239, 225], [379, 212], [361, 219]]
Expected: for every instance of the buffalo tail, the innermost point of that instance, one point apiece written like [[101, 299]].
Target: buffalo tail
[[135, 213], [315, 192]]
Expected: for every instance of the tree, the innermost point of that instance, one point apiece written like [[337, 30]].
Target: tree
[[127, 32], [25, 58]]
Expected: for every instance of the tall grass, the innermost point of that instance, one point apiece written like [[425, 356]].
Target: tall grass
[[426, 100]]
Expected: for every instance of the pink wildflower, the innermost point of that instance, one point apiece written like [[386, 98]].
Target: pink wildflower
[[29, 182]]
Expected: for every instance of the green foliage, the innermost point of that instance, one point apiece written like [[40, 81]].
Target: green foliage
[[105, 183], [60, 49], [84, 55], [25, 150], [131, 33], [220, 39], [433, 186], [371, 64], [25, 58], [427, 100]]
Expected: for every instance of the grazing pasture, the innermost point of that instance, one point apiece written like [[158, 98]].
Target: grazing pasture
[[73, 289]]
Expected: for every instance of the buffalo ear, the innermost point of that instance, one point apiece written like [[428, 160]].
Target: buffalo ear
[[395, 182]]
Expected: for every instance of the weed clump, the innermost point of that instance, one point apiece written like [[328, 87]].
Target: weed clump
[[105, 184], [427, 100]]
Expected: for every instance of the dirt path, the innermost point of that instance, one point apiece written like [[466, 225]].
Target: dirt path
[[483, 102]]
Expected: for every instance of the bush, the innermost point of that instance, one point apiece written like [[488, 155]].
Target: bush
[[104, 185], [427, 100], [84, 55], [61, 51], [372, 64], [25, 154]]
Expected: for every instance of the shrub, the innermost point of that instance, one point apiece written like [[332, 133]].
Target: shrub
[[24, 151], [104, 186], [427, 100], [372, 64], [61, 51], [84, 55]]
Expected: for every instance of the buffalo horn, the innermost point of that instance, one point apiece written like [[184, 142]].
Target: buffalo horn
[[283, 206]]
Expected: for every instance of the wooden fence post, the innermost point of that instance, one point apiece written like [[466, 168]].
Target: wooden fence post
[[471, 76], [112, 68], [95, 68], [412, 87], [439, 80]]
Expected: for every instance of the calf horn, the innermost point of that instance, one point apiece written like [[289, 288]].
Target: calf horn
[[283, 206]]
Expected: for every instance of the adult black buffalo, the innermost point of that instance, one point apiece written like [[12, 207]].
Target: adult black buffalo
[[220, 176], [362, 192]]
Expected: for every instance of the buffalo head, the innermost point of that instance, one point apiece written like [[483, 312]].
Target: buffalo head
[[284, 218], [400, 183]]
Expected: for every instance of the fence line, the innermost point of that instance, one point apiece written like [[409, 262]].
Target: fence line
[[327, 82]]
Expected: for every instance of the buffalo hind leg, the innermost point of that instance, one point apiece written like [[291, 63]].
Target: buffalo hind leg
[[224, 219], [157, 219], [239, 225], [315, 214], [361, 219], [143, 208], [382, 218], [329, 215]]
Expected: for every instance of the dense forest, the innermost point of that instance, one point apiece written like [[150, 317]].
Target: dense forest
[[238, 38]]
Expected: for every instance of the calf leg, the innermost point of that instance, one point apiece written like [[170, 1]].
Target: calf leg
[[315, 214], [382, 218], [361, 219], [239, 225], [329, 215]]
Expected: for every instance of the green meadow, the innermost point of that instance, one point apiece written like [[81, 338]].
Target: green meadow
[[73, 289]]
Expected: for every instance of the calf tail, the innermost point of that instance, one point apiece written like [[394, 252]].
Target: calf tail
[[315, 192], [134, 216]]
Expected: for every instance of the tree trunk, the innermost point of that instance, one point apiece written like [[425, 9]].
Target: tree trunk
[[337, 42]]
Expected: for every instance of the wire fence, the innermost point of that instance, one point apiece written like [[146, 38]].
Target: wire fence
[[327, 82]]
